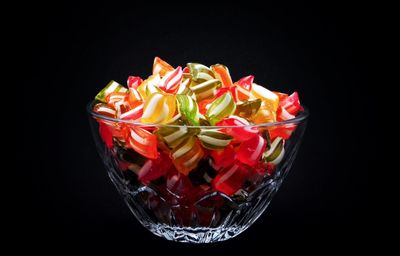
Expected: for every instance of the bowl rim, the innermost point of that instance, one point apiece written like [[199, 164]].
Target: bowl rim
[[302, 116]]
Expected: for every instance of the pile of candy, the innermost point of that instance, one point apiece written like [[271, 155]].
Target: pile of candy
[[204, 138]]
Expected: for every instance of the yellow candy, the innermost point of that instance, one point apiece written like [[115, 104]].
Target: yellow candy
[[158, 108], [270, 99], [149, 86], [264, 115]]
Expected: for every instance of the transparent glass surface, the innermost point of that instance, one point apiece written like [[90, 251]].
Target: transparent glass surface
[[222, 194]]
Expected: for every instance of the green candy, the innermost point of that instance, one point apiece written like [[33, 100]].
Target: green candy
[[213, 139], [174, 135], [204, 90], [200, 73], [203, 82], [188, 109], [275, 153], [248, 108], [112, 86], [184, 88], [220, 108], [203, 121]]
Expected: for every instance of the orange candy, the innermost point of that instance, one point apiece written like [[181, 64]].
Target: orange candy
[[161, 67], [187, 155], [221, 72], [143, 142]]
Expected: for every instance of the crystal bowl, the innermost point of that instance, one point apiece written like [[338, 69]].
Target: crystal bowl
[[196, 194]]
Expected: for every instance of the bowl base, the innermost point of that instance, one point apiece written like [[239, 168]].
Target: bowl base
[[194, 235]]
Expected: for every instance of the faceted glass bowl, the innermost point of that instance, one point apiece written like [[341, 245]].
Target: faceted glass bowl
[[220, 198]]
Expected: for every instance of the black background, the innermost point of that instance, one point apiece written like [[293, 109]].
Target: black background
[[316, 50]]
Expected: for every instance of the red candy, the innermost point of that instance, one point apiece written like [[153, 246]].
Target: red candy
[[155, 168], [284, 131], [251, 151], [134, 81], [223, 158], [230, 179], [133, 114], [143, 142], [178, 184], [105, 110], [238, 133], [291, 104], [232, 89], [106, 134], [244, 87], [171, 81], [282, 96], [246, 82], [204, 104]]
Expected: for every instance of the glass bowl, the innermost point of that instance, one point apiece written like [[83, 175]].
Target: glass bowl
[[196, 193]]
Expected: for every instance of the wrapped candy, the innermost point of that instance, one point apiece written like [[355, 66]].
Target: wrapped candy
[[275, 153], [220, 108], [133, 114], [184, 88], [178, 184], [284, 131], [110, 87], [106, 134], [186, 72], [205, 90], [282, 114], [134, 82], [238, 133], [213, 139], [115, 97], [186, 155], [204, 105], [223, 158], [159, 108], [230, 179], [134, 99], [161, 67], [248, 108], [250, 151], [143, 142], [149, 86], [188, 108], [244, 86], [269, 99], [105, 110], [221, 72], [223, 90], [264, 115], [282, 96], [291, 104], [175, 134], [154, 168], [171, 81], [200, 73]]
